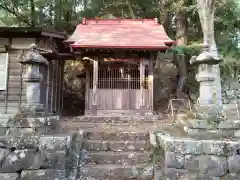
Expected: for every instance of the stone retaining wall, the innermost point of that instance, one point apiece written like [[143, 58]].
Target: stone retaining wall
[[189, 159], [32, 148]]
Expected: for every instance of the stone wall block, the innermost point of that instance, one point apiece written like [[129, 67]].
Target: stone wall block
[[215, 166], [3, 131], [174, 160], [18, 131], [180, 145], [191, 162], [4, 122], [60, 142], [198, 124], [29, 122], [214, 147], [231, 176], [234, 164], [43, 175], [229, 124], [5, 143], [55, 160], [218, 147], [3, 154], [171, 174], [9, 176], [24, 142], [52, 124], [22, 159], [196, 176]]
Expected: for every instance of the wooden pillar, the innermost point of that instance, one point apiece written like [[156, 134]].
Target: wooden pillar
[[52, 85], [59, 85], [142, 76], [56, 86], [95, 84], [150, 82], [62, 84], [87, 88]]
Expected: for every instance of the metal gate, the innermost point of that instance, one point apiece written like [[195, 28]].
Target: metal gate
[[119, 86]]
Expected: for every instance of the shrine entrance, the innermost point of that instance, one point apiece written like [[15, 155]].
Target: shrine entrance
[[119, 86]]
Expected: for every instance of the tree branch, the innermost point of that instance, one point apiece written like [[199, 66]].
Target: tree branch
[[130, 9], [15, 14]]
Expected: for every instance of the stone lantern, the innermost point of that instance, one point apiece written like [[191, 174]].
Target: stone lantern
[[32, 62], [206, 76]]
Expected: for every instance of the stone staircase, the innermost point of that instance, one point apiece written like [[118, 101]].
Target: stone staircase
[[113, 148]]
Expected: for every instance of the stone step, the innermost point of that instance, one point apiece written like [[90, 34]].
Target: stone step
[[116, 172], [121, 158], [86, 125], [105, 145], [119, 119], [115, 135]]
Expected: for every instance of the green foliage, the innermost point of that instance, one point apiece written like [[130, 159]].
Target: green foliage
[[191, 49]]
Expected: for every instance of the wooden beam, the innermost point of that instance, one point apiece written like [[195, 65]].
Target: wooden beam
[[150, 82], [95, 84], [142, 77]]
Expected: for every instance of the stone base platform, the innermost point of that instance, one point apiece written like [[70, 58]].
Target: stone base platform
[[208, 155]]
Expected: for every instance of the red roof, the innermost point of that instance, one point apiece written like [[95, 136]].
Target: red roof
[[120, 33]]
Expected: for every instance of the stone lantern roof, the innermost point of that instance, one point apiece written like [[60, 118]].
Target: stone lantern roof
[[34, 57], [205, 57]]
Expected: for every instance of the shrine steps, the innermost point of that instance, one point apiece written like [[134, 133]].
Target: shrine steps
[[118, 119], [114, 172], [114, 148]]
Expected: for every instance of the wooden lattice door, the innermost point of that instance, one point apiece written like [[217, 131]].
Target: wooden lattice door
[[119, 86]]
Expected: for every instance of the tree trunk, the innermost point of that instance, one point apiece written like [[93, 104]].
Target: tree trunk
[[206, 10], [32, 13], [182, 40], [57, 12], [131, 9], [84, 5]]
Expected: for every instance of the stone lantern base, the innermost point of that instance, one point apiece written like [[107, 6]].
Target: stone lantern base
[[198, 149]]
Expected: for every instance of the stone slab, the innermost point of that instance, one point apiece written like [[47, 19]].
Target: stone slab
[[180, 145], [174, 160], [23, 142], [55, 160], [43, 175], [55, 142], [9, 176], [22, 160], [17, 131], [234, 164]]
